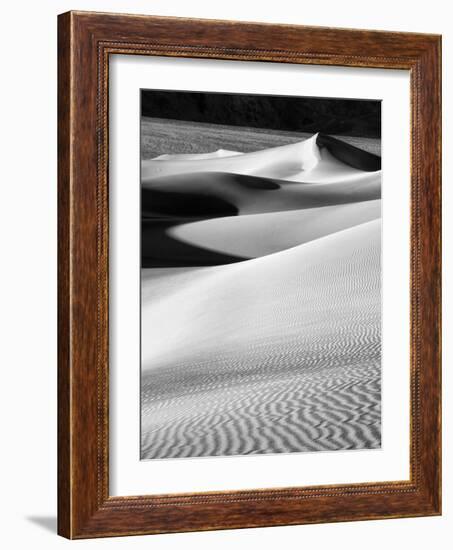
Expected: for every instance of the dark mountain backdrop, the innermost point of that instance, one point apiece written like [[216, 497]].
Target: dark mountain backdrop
[[349, 117]]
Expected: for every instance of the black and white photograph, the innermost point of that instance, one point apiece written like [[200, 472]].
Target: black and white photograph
[[260, 274]]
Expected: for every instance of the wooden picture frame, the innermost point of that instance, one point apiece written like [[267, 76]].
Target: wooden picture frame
[[85, 41]]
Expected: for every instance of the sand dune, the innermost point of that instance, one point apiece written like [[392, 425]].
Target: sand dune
[[261, 304], [252, 347], [312, 160], [194, 219], [220, 193], [251, 236], [275, 162], [258, 286]]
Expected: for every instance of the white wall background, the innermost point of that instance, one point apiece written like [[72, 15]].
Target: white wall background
[[28, 216]]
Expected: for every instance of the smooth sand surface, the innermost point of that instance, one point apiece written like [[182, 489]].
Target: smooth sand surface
[[280, 352], [254, 235]]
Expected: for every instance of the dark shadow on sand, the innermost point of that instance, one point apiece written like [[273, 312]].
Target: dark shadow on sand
[[159, 249], [353, 156], [188, 204]]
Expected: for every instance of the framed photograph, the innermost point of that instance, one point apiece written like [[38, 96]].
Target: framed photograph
[[249, 275]]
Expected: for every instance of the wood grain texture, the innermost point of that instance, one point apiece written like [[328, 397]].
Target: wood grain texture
[[85, 42], [64, 369]]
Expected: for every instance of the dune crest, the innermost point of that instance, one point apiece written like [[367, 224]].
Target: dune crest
[[318, 158], [277, 162]]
